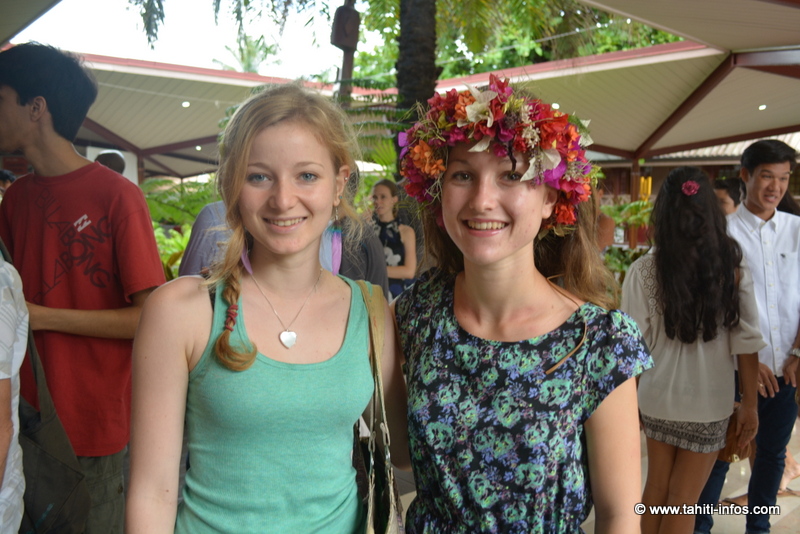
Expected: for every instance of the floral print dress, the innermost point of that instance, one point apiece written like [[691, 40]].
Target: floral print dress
[[498, 446]]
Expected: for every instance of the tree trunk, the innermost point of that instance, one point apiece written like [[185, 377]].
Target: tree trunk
[[416, 69]]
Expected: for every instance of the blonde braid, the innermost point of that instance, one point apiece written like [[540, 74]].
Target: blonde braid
[[228, 274]]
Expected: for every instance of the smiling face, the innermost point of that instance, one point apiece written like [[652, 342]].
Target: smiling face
[[491, 215], [384, 202], [766, 187], [290, 190]]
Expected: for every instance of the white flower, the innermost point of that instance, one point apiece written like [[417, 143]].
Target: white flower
[[481, 145], [478, 110], [530, 174], [531, 134], [586, 139], [551, 159]]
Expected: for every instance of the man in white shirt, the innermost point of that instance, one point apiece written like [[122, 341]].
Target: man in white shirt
[[770, 242]]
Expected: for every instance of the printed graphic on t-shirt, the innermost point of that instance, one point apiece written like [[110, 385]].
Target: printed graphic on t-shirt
[[79, 240]]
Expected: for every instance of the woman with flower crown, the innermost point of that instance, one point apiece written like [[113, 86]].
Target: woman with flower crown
[[522, 398], [696, 309]]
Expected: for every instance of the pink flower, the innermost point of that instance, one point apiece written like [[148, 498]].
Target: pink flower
[[690, 187]]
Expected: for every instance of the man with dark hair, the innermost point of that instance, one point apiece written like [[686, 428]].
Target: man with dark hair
[[112, 159], [770, 240], [729, 193], [81, 237], [32, 70]]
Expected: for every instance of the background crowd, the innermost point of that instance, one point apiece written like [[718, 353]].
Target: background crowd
[[515, 380]]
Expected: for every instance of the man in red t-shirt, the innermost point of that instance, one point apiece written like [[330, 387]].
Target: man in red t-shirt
[[82, 239]]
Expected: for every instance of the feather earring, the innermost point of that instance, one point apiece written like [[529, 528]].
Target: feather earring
[[246, 260], [336, 242]]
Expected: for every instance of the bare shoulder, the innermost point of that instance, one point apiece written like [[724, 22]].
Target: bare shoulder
[[406, 230], [181, 291], [181, 299], [178, 314]]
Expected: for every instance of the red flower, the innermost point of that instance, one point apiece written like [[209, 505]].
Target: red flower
[[564, 212], [690, 187]]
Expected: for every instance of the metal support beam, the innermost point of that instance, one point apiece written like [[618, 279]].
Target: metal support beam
[[708, 85], [122, 143]]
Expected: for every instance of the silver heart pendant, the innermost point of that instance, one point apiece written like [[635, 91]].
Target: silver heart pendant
[[288, 338]]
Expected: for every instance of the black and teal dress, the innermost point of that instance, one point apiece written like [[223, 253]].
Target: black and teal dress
[[498, 446], [394, 251]]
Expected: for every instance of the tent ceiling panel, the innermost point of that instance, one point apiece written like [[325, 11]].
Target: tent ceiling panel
[[19, 14], [734, 25], [732, 108]]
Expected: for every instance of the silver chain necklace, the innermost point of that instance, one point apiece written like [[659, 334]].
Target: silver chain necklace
[[288, 337]]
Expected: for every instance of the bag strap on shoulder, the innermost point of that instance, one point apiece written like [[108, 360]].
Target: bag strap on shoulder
[[376, 309]]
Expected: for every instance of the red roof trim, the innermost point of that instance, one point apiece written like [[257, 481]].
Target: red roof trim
[[597, 59]]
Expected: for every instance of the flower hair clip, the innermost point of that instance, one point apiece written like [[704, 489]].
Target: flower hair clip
[[690, 188], [506, 122]]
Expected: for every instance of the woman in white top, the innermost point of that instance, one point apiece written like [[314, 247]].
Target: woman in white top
[[13, 343], [695, 310]]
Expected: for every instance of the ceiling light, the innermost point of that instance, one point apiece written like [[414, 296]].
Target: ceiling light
[[186, 103], [198, 148], [762, 107]]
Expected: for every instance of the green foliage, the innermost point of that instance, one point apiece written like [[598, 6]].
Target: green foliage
[[171, 245], [250, 54], [152, 12], [177, 203], [376, 64], [619, 260], [173, 208], [472, 35], [475, 36], [631, 215], [636, 213], [384, 154]]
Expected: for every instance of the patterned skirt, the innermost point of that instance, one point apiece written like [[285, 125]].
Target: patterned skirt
[[695, 437]]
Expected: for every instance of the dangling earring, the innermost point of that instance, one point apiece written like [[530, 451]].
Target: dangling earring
[[336, 241]]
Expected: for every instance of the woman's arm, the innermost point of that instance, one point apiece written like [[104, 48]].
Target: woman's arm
[[409, 267], [612, 437], [165, 343], [791, 369], [747, 413]]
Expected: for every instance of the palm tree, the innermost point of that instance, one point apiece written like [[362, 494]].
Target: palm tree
[[416, 68], [250, 54]]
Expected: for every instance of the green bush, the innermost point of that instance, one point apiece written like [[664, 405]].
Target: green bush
[[171, 245], [178, 203]]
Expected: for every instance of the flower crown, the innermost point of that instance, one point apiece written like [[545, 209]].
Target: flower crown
[[506, 122]]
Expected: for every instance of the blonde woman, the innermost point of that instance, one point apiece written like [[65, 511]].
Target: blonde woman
[[271, 371]]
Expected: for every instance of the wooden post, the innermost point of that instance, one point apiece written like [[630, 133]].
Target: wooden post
[[344, 35]]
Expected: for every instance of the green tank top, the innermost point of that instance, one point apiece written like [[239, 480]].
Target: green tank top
[[270, 447]]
